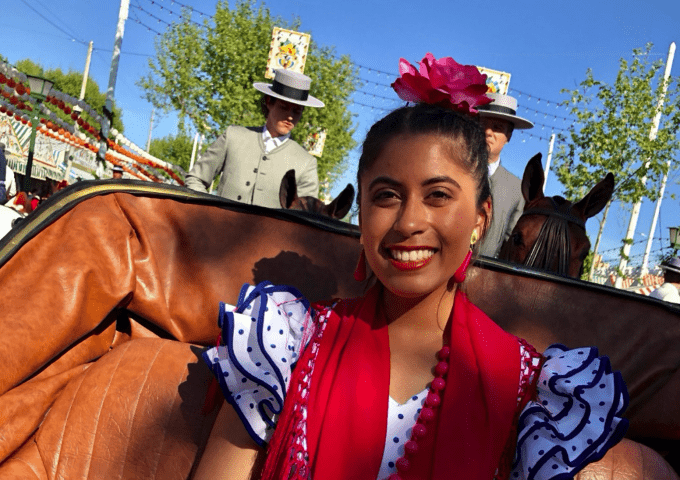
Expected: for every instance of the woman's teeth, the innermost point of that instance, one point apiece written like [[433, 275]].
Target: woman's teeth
[[411, 255]]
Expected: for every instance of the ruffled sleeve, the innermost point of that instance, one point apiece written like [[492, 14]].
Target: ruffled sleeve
[[575, 418], [261, 340]]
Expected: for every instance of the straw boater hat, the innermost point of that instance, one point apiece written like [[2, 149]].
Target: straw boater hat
[[117, 169], [290, 86], [505, 108], [672, 264]]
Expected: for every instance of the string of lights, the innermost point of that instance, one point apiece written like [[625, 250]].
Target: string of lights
[[158, 19], [182, 5]]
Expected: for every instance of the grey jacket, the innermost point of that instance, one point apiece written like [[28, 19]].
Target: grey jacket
[[250, 175], [508, 205]]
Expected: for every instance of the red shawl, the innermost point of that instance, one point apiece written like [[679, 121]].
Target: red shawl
[[348, 399]]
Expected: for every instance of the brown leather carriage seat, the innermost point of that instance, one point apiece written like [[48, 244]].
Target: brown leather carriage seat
[[110, 291]]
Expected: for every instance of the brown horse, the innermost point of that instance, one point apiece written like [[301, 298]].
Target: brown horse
[[551, 233], [100, 377], [289, 199]]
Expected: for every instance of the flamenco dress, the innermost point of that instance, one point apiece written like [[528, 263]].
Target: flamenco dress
[[318, 375]]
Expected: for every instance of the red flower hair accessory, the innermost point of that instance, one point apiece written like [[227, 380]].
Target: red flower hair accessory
[[442, 82]]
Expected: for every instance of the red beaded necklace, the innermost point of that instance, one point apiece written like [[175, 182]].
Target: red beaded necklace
[[427, 413]]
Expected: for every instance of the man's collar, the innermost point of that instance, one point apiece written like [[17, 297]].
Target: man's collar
[[494, 166], [268, 136]]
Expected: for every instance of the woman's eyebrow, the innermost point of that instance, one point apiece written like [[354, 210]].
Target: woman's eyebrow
[[440, 179], [384, 179]]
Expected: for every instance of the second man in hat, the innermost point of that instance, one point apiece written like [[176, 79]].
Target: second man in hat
[[253, 160], [499, 120]]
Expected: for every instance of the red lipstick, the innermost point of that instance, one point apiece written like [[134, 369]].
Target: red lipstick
[[410, 265]]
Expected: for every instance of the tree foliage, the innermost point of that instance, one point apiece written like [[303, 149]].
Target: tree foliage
[[175, 149], [70, 83], [206, 72], [613, 131]]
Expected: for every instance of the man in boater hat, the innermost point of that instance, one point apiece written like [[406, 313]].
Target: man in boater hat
[[669, 291], [499, 119], [117, 172], [253, 160]]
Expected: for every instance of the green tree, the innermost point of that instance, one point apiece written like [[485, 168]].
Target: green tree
[[70, 84], [175, 149], [612, 133], [206, 72]]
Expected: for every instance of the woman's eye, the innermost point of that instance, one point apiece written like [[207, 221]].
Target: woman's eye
[[385, 196], [439, 195]]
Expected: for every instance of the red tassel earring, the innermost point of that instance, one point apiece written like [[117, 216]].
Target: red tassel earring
[[360, 271], [459, 276]]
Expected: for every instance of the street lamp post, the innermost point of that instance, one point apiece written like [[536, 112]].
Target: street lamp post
[[40, 88], [675, 239]]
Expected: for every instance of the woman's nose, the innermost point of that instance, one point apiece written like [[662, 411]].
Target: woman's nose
[[412, 218]]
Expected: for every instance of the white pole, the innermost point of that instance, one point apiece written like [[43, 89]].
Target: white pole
[[115, 57], [193, 152], [652, 135], [650, 239], [547, 162], [148, 140], [86, 73], [83, 85]]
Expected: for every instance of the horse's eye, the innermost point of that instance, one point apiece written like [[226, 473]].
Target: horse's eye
[[517, 239]]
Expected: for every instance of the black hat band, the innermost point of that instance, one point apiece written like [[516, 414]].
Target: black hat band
[[497, 108], [290, 92]]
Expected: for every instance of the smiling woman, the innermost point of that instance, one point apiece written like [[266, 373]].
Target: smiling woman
[[410, 381]]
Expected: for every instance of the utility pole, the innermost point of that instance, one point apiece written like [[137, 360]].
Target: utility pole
[[547, 162], [148, 140], [657, 209], [115, 57], [652, 135], [193, 151], [83, 86]]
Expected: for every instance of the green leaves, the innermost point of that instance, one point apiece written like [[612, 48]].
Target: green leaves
[[613, 131], [173, 148], [206, 73]]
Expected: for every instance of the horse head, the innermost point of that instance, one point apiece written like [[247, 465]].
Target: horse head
[[551, 233], [288, 198]]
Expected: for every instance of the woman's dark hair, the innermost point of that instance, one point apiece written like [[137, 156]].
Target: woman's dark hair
[[263, 104], [423, 119]]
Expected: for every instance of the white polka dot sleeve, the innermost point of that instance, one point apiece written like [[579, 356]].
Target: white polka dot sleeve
[[261, 340], [575, 419]]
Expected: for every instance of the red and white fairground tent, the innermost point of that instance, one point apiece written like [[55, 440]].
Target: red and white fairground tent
[[68, 149]]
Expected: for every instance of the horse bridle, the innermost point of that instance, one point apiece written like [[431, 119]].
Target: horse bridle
[[553, 240]]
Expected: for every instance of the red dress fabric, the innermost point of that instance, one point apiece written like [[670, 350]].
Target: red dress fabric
[[348, 394]]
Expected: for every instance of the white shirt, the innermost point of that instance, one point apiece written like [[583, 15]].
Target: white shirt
[[666, 292], [10, 183], [270, 143], [494, 166]]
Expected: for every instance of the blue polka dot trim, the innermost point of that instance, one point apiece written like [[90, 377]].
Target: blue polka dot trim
[[260, 346], [576, 417]]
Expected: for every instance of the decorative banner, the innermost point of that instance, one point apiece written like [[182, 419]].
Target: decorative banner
[[47, 154], [498, 82], [315, 142], [288, 50]]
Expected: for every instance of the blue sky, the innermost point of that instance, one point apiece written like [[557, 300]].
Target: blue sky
[[546, 46]]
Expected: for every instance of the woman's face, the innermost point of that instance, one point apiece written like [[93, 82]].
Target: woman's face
[[417, 213]]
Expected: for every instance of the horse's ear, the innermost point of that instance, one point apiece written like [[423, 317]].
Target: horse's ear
[[532, 181], [339, 207], [596, 199], [288, 189]]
